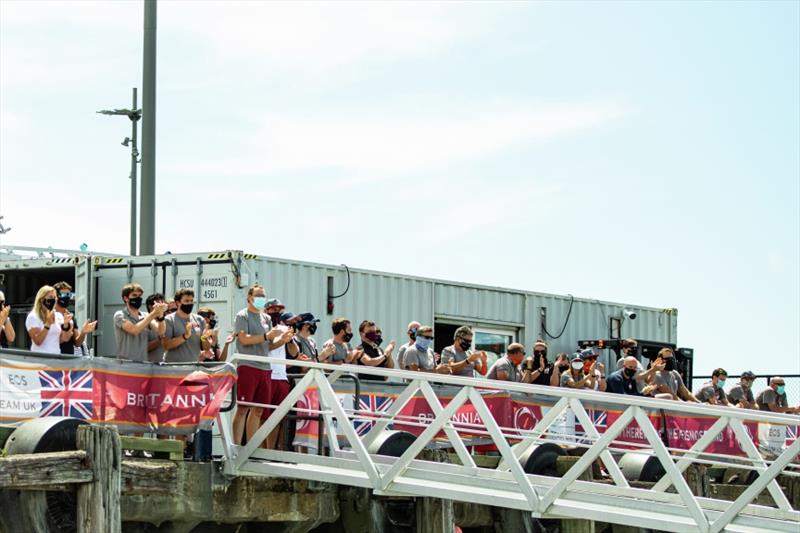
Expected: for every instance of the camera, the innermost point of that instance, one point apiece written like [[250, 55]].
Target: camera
[[630, 315]]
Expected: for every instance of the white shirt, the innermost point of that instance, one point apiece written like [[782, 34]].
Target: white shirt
[[279, 371], [52, 342]]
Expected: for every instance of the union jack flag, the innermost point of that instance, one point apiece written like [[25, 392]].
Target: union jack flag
[[600, 419], [791, 434], [373, 404], [66, 393]]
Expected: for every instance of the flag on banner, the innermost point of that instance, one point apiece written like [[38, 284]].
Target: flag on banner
[[66, 393], [372, 403]]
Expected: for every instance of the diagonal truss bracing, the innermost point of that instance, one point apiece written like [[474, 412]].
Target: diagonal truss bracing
[[509, 485]]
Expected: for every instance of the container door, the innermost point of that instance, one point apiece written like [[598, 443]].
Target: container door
[[84, 293], [493, 341]]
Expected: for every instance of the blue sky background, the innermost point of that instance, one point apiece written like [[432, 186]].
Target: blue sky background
[[640, 152]]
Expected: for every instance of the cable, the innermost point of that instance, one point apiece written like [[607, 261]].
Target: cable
[[566, 321], [348, 284]]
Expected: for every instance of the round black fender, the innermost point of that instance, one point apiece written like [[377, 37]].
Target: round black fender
[[26, 509], [392, 443], [541, 460], [641, 467]]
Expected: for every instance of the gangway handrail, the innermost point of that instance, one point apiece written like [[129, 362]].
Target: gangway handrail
[[351, 463], [626, 400]]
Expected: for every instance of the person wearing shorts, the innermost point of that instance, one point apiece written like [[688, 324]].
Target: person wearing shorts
[[253, 335]]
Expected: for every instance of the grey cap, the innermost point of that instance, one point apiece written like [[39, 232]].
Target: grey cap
[[274, 302]]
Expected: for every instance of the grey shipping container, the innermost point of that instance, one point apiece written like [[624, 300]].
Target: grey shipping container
[[221, 279]]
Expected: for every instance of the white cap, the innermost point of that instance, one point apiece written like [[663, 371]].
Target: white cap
[[2, 296]]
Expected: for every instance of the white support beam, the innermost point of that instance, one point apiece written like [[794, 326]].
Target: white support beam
[[541, 427], [452, 434], [698, 447], [591, 431], [394, 410]]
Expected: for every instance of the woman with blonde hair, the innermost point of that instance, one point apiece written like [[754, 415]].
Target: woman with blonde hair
[[44, 325]]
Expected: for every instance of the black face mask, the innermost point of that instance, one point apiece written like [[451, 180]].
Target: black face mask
[[136, 303], [64, 301], [669, 363], [276, 318], [49, 303], [378, 341], [563, 368], [465, 345], [187, 308], [413, 334], [212, 323], [348, 337], [312, 328], [629, 372]]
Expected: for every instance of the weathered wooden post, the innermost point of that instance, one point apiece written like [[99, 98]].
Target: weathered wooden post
[[99, 501], [563, 464]]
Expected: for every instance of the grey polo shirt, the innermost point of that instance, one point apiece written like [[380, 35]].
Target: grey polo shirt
[[672, 379], [738, 392], [133, 347], [424, 360], [768, 396], [504, 364], [252, 324], [452, 355], [708, 391], [189, 351], [157, 354]]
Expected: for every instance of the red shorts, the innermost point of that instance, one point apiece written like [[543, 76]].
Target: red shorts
[[253, 385], [279, 390]]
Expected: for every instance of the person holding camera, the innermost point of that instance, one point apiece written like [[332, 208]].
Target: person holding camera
[[507, 367], [7, 333]]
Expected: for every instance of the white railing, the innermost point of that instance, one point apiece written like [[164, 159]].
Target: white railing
[[510, 486]]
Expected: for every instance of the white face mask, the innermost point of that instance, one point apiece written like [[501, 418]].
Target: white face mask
[[577, 366]]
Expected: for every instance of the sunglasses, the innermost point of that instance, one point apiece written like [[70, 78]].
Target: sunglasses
[[540, 352], [426, 337]]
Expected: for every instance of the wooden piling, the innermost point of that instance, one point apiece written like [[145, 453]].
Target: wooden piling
[[99, 501], [563, 464]]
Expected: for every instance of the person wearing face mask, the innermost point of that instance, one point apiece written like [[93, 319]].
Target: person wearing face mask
[[669, 381], [44, 324], [7, 333], [183, 340], [371, 353], [411, 331], [629, 378], [341, 352], [458, 356], [774, 399], [741, 394], [306, 344], [155, 348], [591, 364], [575, 378], [215, 352], [76, 344], [507, 368], [713, 392], [254, 333], [131, 325], [419, 356], [561, 365], [542, 372]]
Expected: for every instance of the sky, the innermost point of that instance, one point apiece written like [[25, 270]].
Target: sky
[[637, 152]]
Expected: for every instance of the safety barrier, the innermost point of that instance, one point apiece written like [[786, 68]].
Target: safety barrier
[[352, 463]]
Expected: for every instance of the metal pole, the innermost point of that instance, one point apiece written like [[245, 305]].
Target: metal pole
[[134, 161], [148, 202]]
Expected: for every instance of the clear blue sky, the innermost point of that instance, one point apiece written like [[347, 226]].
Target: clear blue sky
[[640, 152]]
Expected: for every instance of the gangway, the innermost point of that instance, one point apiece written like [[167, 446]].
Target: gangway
[[351, 463]]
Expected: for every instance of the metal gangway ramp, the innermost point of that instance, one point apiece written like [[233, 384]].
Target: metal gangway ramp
[[509, 486]]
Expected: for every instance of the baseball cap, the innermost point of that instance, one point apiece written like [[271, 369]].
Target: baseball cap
[[274, 302], [307, 318], [587, 353], [748, 374], [285, 317], [576, 357]]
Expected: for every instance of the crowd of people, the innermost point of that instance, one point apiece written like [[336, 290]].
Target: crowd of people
[[169, 330]]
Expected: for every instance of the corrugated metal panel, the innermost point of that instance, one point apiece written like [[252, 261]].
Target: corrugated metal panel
[[478, 303]]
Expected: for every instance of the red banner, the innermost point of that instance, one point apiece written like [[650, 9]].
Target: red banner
[[135, 396]]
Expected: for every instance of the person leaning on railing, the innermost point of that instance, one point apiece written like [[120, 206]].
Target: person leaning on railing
[[507, 367], [713, 392], [741, 394], [774, 399]]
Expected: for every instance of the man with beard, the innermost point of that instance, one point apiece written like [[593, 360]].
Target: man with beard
[[741, 394]]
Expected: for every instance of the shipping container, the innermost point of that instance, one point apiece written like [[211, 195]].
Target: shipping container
[[498, 316]]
